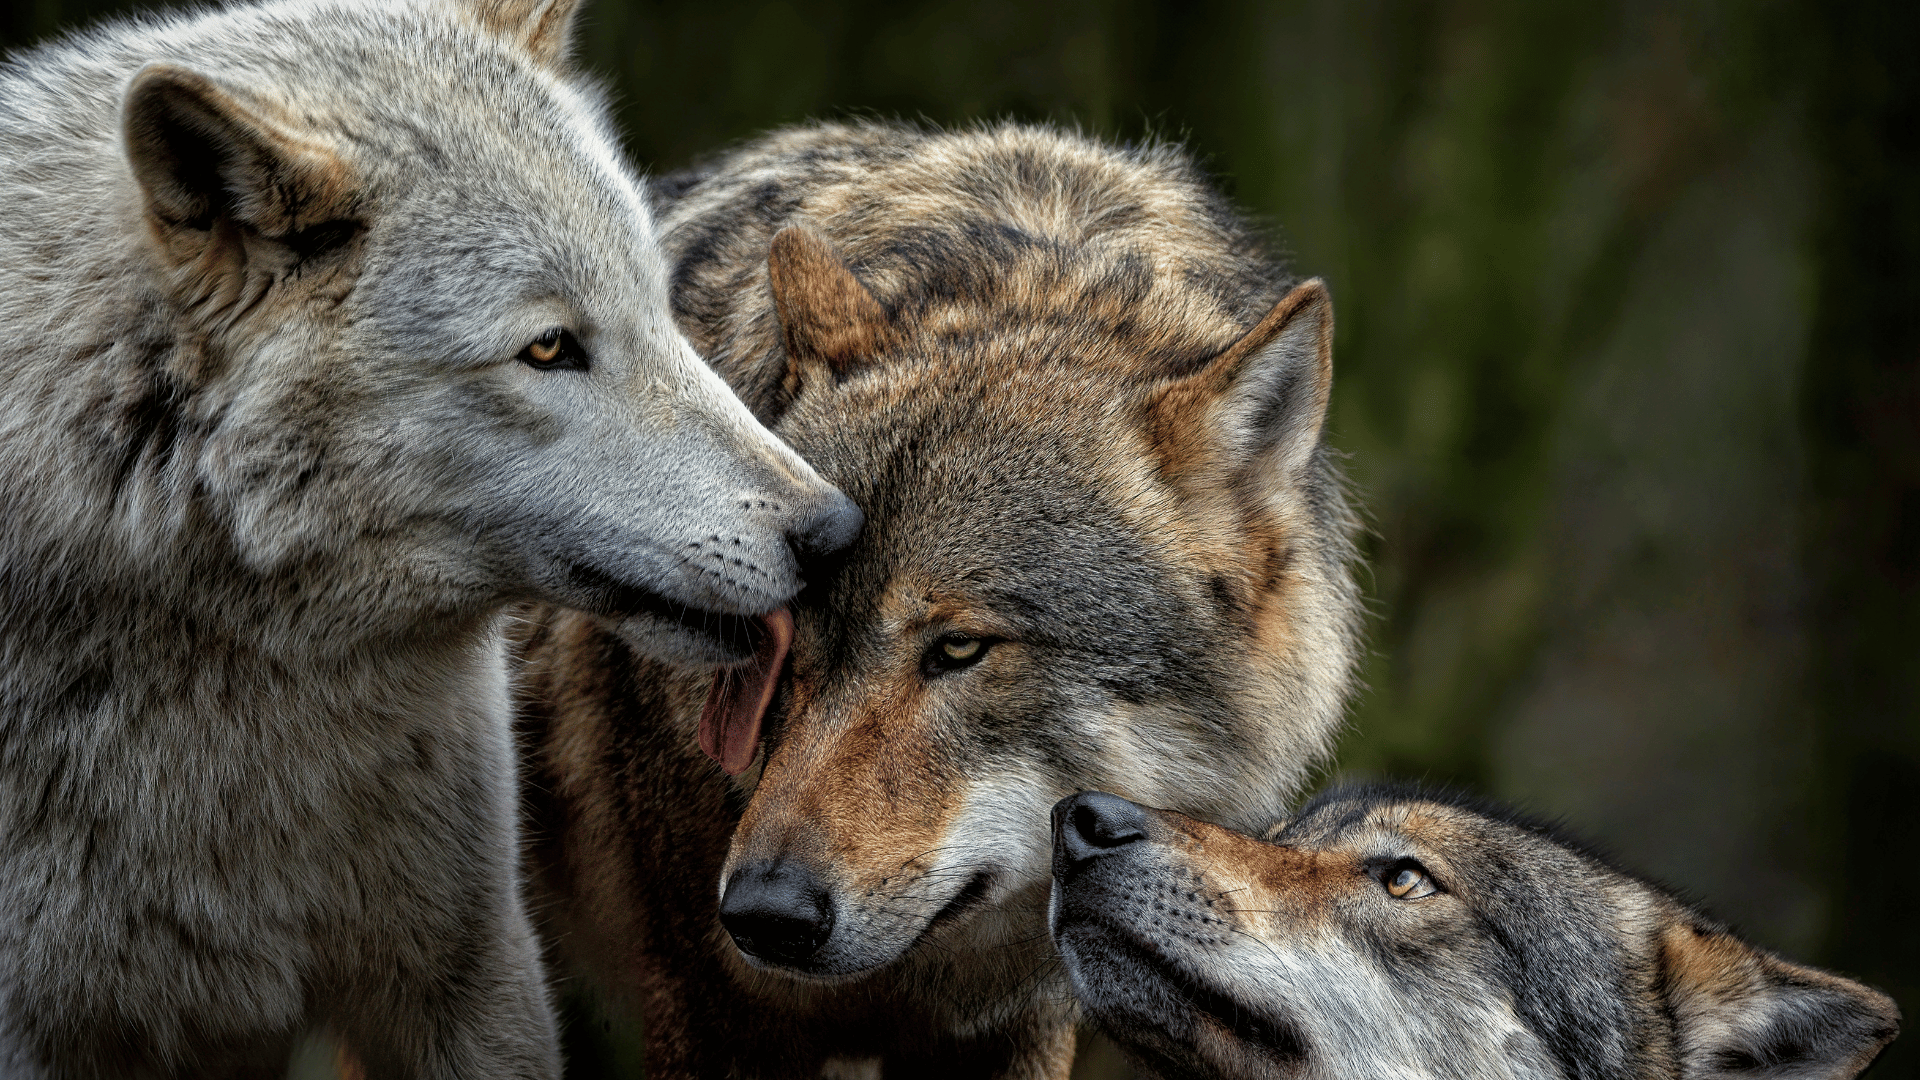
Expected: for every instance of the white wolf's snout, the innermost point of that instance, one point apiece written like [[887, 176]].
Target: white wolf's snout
[[833, 526], [722, 523]]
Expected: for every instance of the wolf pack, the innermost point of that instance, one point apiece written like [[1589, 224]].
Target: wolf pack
[[868, 605]]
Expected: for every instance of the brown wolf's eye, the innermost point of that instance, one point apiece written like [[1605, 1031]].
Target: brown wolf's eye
[[555, 350], [952, 652], [1408, 880]]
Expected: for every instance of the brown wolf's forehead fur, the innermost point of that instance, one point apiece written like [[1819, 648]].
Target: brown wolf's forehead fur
[[1017, 499], [1036, 231]]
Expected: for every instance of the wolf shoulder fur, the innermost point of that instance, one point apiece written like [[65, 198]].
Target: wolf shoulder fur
[[336, 326], [1082, 408]]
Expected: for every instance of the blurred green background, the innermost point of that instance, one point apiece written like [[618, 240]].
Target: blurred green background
[[1628, 367]]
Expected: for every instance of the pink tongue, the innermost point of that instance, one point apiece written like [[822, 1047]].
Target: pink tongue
[[730, 724]]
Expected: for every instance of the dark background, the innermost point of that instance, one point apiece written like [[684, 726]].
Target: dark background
[[1628, 367]]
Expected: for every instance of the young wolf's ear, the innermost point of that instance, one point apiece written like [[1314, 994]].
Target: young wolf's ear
[[1741, 1012], [202, 157], [542, 27], [828, 318], [1256, 409]]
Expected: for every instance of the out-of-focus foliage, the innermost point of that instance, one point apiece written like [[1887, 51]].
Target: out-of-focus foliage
[[1628, 367]]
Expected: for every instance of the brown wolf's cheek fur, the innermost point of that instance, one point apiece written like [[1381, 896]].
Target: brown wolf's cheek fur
[[1245, 547]]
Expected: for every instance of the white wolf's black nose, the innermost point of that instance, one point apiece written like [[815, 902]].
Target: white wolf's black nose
[[777, 912], [828, 529], [1094, 823]]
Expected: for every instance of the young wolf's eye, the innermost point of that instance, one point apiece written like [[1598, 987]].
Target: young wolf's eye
[[555, 350], [953, 652], [1408, 880]]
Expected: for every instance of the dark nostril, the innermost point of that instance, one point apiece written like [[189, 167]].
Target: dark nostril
[[1093, 823], [832, 527], [777, 912]]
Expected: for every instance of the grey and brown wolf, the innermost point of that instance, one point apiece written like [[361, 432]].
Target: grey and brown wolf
[[1105, 546], [1388, 932], [336, 327]]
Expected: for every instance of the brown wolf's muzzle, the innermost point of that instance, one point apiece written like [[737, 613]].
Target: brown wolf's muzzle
[[856, 843], [783, 913], [778, 913]]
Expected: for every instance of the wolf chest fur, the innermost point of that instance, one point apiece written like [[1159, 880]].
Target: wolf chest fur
[[335, 328], [1081, 408]]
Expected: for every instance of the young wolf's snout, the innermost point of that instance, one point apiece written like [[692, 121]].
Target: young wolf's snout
[[1390, 932]]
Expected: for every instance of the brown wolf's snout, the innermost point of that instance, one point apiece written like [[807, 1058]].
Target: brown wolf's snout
[[777, 912]]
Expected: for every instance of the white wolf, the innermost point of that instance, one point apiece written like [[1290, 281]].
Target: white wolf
[[334, 328]]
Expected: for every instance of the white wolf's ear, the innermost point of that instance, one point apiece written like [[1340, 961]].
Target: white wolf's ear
[[201, 158], [1742, 1012], [542, 27], [828, 318], [1257, 408]]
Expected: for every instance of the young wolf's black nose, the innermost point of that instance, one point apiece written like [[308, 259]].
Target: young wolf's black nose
[[832, 526], [1094, 823], [777, 912]]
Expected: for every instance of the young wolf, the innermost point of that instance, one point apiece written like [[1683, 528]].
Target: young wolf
[[1105, 547], [335, 327], [1389, 932]]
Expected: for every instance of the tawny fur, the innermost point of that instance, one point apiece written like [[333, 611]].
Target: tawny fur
[[1081, 407]]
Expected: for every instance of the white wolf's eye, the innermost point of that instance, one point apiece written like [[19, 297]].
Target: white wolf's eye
[[1408, 880], [952, 652], [555, 350]]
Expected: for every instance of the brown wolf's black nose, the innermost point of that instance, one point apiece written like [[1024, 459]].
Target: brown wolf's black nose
[[777, 912], [1093, 823], [831, 527]]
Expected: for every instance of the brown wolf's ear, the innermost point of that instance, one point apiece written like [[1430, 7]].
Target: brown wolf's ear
[[201, 157], [1257, 408], [828, 318], [1742, 1012], [543, 27]]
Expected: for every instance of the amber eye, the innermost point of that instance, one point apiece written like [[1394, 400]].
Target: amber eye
[[555, 350], [1408, 880], [952, 652]]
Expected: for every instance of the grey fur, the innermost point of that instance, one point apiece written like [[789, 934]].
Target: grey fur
[[269, 472]]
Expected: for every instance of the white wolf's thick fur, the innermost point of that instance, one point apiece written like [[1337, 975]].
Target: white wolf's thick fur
[[273, 457]]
